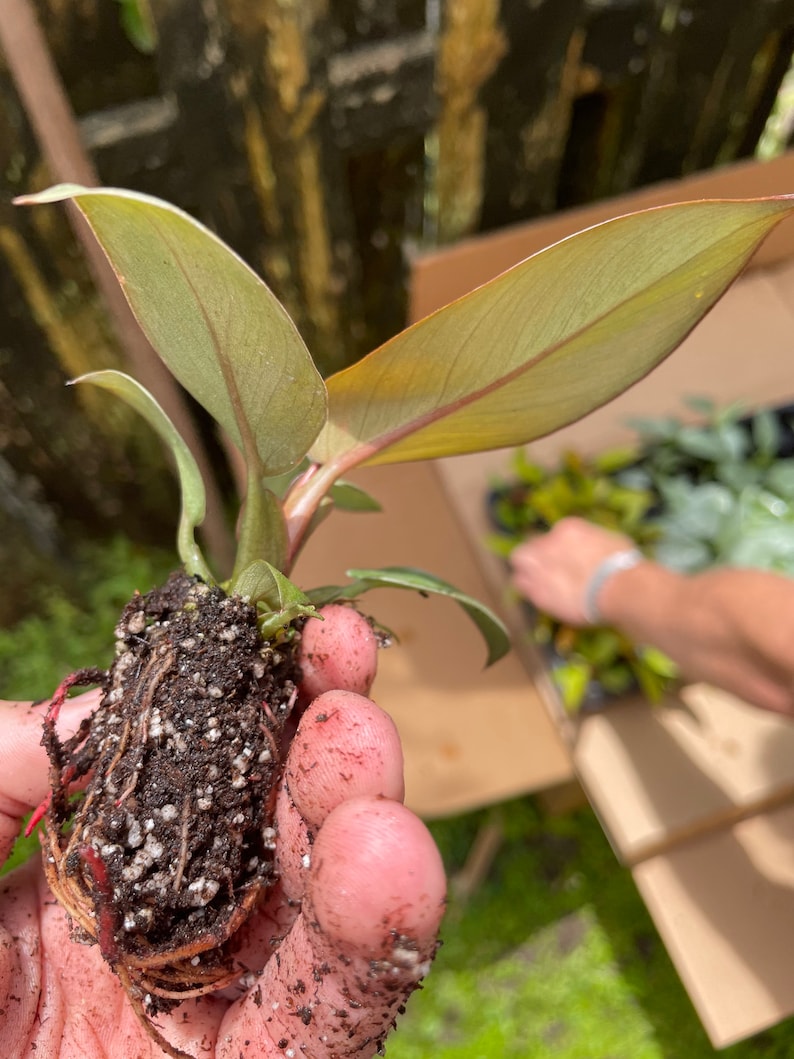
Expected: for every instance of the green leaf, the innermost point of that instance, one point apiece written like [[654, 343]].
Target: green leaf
[[278, 599], [780, 478], [682, 553], [493, 631], [572, 680], [658, 662], [216, 325], [136, 18], [263, 531], [653, 685], [767, 433], [616, 679], [191, 484], [654, 430], [614, 460], [501, 545], [526, 470], [704, 405], [349, 497], [600, 646], [538, 347]]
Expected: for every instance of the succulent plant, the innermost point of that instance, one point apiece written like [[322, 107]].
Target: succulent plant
[[724, 487]]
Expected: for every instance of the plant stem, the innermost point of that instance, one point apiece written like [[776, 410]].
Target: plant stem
[[262, 532], [307, 493], [191, 555]]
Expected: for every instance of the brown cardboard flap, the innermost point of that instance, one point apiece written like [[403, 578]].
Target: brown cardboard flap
[[658, 776], [470, 736], [722, 894], [724, 906], [655, 776], [440, 276]]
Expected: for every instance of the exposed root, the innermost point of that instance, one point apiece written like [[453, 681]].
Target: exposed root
[[169, 849]]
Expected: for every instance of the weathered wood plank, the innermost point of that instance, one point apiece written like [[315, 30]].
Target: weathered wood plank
[[529, 102], [53, 329], [699, 55], [252, 88], [69, 455], [613, 68], [755, 59], [471, 45], [775, 58], [136, 143], [298, 132], [356, 22], [99, 64], [386, 189], [64, 156], [383, 101], [382, 93]]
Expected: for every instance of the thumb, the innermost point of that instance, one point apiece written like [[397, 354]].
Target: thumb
[[23, 760]]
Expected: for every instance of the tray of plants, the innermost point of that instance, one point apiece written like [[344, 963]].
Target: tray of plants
[[719, 491]]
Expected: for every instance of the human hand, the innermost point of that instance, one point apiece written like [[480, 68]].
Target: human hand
[[341, 940], [553, 570]]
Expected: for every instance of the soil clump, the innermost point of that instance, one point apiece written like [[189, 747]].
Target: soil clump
[[158, 833]]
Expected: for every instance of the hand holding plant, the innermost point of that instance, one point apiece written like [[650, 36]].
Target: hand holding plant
[[342, 831]]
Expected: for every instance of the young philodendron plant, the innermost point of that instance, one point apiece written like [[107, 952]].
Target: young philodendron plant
[[205, 673]]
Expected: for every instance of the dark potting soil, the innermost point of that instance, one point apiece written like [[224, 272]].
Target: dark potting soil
[[171, 844]]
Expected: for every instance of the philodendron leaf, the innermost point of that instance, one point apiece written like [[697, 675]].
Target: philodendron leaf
[[493, 631], [573, 680], [216, 325], [190, 481], [541, 345], [277, 598]]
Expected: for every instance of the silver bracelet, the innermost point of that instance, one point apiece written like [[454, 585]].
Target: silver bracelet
[[613, 564]]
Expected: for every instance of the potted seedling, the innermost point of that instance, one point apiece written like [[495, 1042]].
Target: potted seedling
[[205, 669]]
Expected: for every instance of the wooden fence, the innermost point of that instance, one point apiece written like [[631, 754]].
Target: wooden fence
[[327, 142]]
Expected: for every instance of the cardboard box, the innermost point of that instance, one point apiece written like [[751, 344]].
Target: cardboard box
[[701, 810], [724, 905]]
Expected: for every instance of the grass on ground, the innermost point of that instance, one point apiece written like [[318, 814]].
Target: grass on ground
[[555, 957]]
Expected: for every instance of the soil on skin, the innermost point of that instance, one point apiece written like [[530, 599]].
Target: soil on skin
[[173, 835]]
